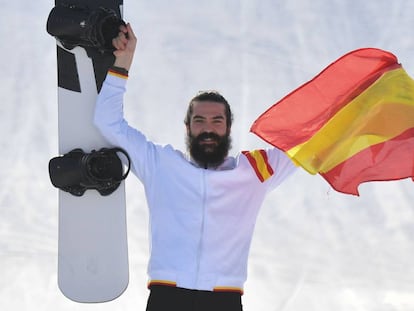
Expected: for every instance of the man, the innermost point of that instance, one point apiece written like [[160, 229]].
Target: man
[[202, 205]]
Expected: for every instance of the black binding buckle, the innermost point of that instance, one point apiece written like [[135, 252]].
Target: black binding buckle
[[77, 171], [76, 25]]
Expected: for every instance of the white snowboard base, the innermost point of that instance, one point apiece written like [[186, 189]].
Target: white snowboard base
[[93, 251]]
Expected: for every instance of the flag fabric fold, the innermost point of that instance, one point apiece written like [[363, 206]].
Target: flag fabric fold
[[352, 123]]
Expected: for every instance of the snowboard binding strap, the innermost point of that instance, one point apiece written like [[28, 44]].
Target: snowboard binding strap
[[77, 171], [75, 25]]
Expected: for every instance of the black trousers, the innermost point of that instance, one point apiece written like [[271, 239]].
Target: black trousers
[[166, 298]]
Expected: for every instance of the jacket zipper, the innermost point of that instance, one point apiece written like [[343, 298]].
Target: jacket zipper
[[200, 242]]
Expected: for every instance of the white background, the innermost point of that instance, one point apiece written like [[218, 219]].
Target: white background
[[313, 249]]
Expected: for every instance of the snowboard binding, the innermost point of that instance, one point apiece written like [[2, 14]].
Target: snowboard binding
[[77, 171], [74, 26]]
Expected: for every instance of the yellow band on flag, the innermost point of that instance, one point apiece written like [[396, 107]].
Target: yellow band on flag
[[381, 112], [352, 123]]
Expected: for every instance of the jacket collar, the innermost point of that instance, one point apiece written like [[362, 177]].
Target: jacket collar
[[229, 163]]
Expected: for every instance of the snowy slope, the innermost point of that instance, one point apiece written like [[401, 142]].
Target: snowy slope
[[314, 249]]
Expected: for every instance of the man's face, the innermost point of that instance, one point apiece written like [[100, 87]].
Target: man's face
[[207, 134]]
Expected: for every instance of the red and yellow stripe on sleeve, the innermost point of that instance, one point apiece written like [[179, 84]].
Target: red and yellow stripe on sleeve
[[352, 123], [116, 72], [259, 161]]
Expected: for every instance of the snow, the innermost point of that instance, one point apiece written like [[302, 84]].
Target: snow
[[313, 249]]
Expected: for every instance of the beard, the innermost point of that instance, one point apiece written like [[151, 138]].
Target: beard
[[210, 154]]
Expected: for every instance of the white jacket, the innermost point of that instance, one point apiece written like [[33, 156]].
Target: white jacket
[[201, 220]]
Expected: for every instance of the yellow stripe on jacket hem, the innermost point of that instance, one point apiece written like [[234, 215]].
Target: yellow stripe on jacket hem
[[162, 282], [228, 289], [222, 289]]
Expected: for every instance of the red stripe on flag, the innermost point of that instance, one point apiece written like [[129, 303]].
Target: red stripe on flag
[[390, 160], [299, 115]]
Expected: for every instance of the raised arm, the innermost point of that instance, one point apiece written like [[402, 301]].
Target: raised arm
[[109, 114], [125, 45]]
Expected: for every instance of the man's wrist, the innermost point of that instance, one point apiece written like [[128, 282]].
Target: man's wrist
[[122, 63]]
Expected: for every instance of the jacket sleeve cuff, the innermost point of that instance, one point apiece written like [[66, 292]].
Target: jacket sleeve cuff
[[116, 79], [118, 72]]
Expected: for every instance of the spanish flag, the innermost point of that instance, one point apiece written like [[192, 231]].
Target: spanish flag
[[352, 123]]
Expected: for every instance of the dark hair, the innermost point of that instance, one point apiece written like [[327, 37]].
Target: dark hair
[[213, 96]]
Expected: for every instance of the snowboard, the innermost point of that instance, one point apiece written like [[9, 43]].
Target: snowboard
[[92, 235]]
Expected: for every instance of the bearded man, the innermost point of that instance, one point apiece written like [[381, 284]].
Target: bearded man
[[202, 205]]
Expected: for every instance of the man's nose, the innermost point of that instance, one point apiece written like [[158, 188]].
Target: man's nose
[[208, 128]]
